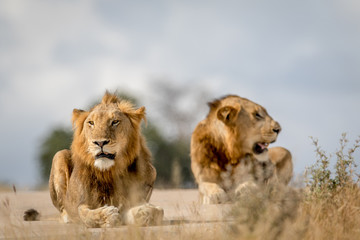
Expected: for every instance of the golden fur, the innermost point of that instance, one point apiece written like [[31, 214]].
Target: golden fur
[[108, 170], [229, 150]]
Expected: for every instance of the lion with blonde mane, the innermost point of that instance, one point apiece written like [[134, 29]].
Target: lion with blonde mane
[[106, 179], [229, 150]]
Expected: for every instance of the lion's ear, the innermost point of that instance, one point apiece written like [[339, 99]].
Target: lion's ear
[[227, 114], [78, 118], [137, 115]]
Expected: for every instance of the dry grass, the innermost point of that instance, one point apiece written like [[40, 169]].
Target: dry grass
[[327, 208], [287, 213]]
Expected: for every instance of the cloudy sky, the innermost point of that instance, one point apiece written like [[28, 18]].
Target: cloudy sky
[[299, 59]]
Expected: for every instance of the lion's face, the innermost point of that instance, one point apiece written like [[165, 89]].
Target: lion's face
[[250, 129], [106, 130], [109, 133]]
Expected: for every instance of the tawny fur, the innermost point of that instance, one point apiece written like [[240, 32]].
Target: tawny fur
[[223, 159], [101, 196]]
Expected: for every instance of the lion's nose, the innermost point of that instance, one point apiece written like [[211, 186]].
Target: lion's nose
[[101, 143], [277, 128]]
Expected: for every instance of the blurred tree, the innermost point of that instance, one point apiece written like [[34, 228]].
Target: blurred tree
[[178, 107], [58, 139], [177, 112], [171, 159]]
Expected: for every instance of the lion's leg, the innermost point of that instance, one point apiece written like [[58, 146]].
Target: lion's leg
[[144, 215], [149, 186], [59, 178], [212, 193], [140, 191], [282, 160]]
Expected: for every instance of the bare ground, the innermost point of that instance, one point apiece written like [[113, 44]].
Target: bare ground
[[184, 218]]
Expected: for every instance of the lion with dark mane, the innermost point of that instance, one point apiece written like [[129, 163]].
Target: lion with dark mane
[[229, 150], [106, 179]]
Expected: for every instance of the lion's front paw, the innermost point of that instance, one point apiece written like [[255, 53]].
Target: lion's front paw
[[145, 215], [215, 198], [245, 189], [107, 216], [64, 217], [212, 194]]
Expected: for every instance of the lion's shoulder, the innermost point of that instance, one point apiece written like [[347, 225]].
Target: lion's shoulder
[[209, 148]]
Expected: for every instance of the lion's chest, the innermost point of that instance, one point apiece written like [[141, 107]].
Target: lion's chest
[[103, 193], [96, 189], [238, 172], [120, 193], [250, 169], [227, 176]]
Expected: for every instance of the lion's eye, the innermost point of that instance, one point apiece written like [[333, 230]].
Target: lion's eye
[[91, 123], [258, 116], [115, 122]]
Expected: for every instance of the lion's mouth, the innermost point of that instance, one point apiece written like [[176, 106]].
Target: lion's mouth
[[260, 147], [105, 155]]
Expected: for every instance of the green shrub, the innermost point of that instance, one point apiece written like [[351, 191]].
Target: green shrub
[[321, 181]]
